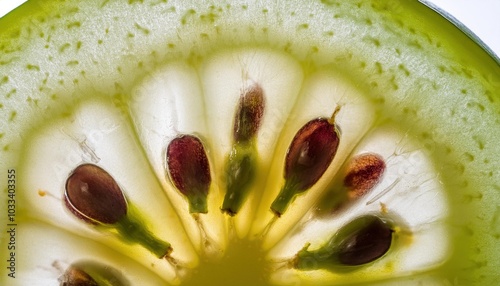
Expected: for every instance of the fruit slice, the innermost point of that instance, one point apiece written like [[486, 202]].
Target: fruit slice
[[112, 84]]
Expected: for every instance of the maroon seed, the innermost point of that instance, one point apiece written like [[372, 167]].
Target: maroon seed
[[189, 170], [311, 152], [309, 155], [240, 166]]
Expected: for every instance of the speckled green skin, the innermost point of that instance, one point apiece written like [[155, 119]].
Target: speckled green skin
[[415, 66]]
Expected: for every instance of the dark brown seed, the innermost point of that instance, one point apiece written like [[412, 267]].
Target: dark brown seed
[[93, 195], [189, 170], [368, 243], [248, 117], [363, 173], [361, 241]]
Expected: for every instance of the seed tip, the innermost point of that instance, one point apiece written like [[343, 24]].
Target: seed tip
[[334, 114]]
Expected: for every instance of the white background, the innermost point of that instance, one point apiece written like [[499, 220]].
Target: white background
[[481, 16]]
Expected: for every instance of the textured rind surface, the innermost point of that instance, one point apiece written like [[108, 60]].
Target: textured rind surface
[[414, 65]]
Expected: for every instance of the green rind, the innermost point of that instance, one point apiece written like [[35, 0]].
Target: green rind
[[432, 77]]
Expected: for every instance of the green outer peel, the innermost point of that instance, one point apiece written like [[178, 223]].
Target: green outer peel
[[417, 68]]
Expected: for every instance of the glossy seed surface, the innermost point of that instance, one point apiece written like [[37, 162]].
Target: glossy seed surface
[[91, 192], [370, 241], [362, 240], [94, 196], [311, 152], [309, 155], [189, 170]]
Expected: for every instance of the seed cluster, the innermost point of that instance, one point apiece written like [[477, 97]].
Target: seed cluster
[[94, 196]]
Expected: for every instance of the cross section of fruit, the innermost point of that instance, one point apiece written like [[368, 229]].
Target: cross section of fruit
[[175, 143]]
